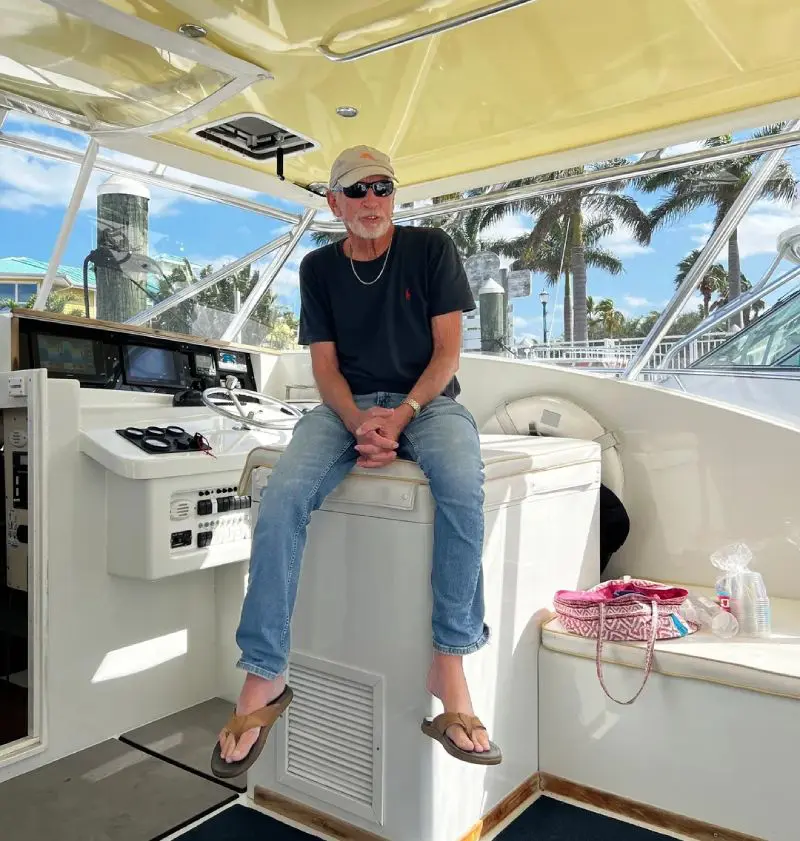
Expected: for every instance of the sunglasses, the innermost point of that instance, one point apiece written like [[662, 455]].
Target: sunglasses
[[381, 189]]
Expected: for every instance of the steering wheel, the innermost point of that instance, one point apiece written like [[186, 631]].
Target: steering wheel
[[248, 418]]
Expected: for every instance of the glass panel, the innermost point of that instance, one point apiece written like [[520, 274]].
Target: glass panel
[[763, 343], [26, 291], [8, 292], [147, 242], [791, 362], [68, 62], [273, 324]]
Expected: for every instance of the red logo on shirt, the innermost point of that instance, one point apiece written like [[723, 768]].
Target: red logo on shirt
[[408, 294]]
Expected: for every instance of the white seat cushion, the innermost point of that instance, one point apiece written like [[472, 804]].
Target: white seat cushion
[[770, 665]]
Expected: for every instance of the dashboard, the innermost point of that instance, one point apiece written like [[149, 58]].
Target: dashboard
[[135, 361]]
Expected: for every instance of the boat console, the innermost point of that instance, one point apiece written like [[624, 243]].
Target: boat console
[[147, 413]]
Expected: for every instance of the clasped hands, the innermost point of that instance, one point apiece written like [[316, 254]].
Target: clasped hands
[[377, 434]]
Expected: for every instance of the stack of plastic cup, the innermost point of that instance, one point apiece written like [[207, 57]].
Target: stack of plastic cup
[[750, 604]]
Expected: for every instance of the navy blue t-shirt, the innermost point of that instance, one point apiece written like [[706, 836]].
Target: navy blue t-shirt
[[382, 328]]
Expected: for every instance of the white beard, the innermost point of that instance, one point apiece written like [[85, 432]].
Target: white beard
[[365, 232]]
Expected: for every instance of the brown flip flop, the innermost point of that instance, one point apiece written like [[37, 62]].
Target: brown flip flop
[[238, 724], [437, 729]]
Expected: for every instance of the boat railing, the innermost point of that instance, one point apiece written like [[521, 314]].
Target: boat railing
[[617, 353]]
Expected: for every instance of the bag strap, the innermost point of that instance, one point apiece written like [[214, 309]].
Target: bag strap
[[648, 662]]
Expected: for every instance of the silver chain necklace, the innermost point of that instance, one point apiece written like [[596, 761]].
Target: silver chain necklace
[[385, 260]]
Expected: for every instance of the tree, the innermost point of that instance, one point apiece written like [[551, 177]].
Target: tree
[[716, 282], [717, 185], [550, 257], [269, 323], [56, 302], [572, 211], [609, 316]]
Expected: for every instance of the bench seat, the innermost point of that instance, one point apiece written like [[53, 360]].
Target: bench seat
[[771, 666]]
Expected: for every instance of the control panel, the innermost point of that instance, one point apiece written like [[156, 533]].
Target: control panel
[[15, 440], [208, 517], [140, 361]]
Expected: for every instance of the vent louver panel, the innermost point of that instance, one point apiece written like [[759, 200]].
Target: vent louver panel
[[254, 137], [331, 742], [179, 509]]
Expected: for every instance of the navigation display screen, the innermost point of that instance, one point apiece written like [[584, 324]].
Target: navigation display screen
[[155, 367], [231, 360], [69, 356]]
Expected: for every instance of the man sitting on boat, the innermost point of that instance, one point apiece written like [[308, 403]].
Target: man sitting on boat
[[381, 312]]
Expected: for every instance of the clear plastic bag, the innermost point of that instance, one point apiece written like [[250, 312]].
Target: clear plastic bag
[[741, 591]]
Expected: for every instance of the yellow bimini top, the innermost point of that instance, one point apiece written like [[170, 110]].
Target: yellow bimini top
[[528, 86]]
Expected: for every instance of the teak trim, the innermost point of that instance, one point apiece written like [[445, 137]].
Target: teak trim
[[507, 806], [343, 831], [650, 815], [311, 818]]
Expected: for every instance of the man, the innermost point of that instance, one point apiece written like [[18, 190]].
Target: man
[[381, 312]]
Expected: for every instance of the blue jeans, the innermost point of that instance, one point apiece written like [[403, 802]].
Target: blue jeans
[[443, 440]]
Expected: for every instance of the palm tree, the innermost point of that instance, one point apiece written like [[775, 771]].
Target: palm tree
[[609, 316], [718, 185], [570, 211], [716, 281], [550, 257]]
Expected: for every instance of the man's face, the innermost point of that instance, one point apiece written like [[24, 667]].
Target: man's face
[[368, 217]]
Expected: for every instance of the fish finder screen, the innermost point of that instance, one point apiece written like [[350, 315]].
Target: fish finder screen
[[69, 356], [153, 366]]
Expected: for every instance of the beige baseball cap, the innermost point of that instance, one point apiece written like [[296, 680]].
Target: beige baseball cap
[[359, 162]]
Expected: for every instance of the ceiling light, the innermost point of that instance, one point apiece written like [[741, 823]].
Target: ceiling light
[[192, 30]]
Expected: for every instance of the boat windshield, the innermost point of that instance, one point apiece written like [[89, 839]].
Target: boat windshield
[[772, 340]]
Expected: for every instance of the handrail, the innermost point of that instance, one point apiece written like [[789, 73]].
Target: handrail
[[265, 281], [713, 246], [423, 32], [731, 308], [640, 169], [61, 153], [187, 292]]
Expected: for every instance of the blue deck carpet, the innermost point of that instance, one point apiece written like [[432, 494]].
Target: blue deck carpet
[[545, 820]]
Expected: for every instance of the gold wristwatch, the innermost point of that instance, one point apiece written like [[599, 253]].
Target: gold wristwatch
[[415, 407]]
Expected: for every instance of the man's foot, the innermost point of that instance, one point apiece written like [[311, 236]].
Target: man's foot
[[257, 692], [447, 681]]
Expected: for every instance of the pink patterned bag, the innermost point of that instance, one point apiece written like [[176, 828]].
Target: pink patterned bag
[[624, 609]]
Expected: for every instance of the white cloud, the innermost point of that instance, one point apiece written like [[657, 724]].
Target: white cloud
[[31, 183], [508, 228], [622, 243], [519, 321], [758, 231], [637, 303]]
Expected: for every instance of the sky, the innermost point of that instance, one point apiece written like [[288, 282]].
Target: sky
[[34, 193]]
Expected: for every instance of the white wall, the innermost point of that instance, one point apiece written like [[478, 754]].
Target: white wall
[[699, 474], [92, 617]]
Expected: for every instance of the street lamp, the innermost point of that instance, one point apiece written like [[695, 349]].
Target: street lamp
[[544, 296]]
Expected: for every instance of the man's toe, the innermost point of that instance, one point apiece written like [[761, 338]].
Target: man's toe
[[460, 738], [246, 742]]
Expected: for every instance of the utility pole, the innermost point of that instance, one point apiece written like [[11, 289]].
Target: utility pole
[[122, 227], [492, 306]]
